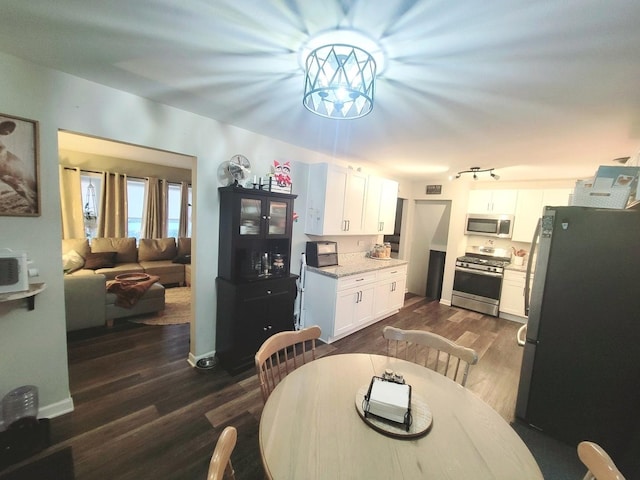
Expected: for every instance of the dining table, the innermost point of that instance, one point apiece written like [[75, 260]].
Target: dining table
[[310, 428]]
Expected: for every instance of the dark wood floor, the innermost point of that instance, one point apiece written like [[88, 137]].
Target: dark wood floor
[[141, 412]]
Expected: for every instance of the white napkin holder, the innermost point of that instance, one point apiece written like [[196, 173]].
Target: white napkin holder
[[389, 400]]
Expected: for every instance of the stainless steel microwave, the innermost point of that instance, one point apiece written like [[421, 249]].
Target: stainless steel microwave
[[489, 225]]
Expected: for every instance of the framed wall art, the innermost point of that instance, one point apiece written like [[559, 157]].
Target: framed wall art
[[19, 167]]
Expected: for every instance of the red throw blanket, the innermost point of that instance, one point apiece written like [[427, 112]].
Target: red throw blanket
[[127, 292]]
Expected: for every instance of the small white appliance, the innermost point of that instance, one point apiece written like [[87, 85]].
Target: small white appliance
[[14, 271]]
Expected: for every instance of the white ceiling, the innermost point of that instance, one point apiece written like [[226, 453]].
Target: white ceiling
[[536, 89]]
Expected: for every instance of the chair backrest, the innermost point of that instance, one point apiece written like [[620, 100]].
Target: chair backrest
[[220, 465], [598, 462], [282, 353], [431, 350]]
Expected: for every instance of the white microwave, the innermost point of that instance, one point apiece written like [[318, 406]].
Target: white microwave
[[14, 271], [489, 225]]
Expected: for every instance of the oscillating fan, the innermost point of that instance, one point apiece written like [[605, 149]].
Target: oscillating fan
[[235, 171], [239, 168]]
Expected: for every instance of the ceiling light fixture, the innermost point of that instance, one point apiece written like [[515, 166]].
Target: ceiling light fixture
[[339, 81], [476, 170]]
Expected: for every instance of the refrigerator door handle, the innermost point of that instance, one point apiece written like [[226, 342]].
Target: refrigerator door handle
[[527, 278]]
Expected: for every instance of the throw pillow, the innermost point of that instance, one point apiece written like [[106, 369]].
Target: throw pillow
[[183, 259], [96, 260], [72, 261]]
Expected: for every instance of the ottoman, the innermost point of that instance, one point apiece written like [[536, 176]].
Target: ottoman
[[151, 301]]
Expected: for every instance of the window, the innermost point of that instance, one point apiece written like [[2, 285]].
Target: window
[[135, 205], [173, 210], [90, 184]]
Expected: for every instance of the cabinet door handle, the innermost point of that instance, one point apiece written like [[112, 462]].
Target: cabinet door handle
[[268, 327], [268, 292], [381, 226], [348, 225], [268, 217], [359, 279]]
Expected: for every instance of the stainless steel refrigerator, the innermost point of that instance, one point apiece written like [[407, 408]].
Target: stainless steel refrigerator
[[580, 376]]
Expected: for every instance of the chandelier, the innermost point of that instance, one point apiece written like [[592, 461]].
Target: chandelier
[[476, 170], [339, 81]]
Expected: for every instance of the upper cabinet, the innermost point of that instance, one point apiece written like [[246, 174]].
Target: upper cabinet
[[380, 213], [492, 201], [255, 229], [529, 209]]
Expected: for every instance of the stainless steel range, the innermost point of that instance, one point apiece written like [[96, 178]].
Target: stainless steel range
[[478, 279]]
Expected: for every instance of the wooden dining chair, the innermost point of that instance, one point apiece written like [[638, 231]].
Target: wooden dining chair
[[432, 351], [598, 462], [282, 353], [220, 465]]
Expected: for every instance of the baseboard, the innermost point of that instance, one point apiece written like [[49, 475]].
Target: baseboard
[[513, 318], [446, 302], [52, 410], [56, 409]]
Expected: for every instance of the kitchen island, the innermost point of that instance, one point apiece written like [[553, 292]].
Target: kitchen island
[[359, 291]]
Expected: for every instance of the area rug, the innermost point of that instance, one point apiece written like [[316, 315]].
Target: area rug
[[177, 309]]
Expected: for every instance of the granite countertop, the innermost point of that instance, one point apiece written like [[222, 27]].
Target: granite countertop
[[353, 264], [517, 268]]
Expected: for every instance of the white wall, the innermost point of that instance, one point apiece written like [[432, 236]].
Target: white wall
[[33, 344]]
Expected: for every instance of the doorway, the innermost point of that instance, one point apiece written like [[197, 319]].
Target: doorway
[[430, 233]]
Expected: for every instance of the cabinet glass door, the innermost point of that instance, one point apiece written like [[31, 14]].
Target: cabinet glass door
[[250, 214], [277, 218]]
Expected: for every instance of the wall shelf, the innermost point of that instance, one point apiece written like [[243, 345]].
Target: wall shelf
[[30, 295]]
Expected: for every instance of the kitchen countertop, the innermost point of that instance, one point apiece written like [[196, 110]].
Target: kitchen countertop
[[350, 264], [517, 268]]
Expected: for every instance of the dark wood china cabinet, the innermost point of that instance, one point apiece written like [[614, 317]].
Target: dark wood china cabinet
[[255, 290]]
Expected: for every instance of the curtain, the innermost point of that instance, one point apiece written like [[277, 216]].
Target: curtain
[[71, 203], [113, 217], [154, 223], [184, 210]]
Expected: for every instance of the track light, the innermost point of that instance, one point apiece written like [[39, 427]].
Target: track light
[[477, 170]]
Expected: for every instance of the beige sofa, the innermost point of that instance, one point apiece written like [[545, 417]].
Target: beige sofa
[[110, 257], [87, 303], [88, 267]]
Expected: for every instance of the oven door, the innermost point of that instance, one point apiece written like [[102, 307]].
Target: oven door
[[477, 290]]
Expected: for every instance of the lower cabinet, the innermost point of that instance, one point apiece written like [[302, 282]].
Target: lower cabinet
[[248, 314], [389, 295], [512, 295], [341, 306]]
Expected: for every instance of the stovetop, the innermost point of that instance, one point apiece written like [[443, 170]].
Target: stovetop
[[492, 262], [488, 259]]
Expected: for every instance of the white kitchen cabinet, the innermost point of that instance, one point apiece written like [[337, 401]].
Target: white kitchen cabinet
[[380, 212], [335, 200], [529, 209], [389, 294], [354, 307], [492, 201], [512, 294], [341, 306]]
